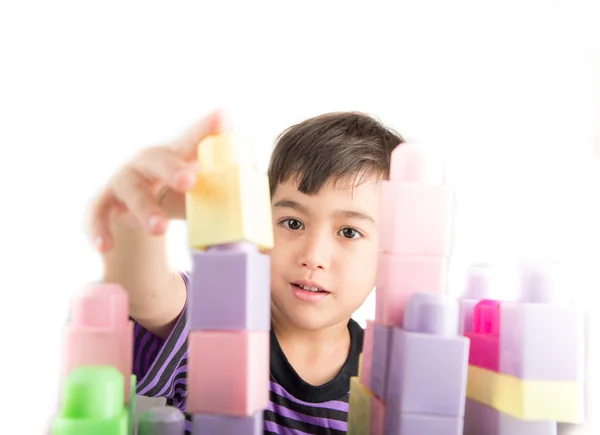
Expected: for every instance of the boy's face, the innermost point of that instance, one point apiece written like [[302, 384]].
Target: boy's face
[[328, 240]]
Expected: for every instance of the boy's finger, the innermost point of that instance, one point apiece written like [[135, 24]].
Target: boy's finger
[[186, 145], [135, 193], [163, 164]]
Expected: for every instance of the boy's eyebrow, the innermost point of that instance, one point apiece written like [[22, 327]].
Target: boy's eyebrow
[[348, 214]]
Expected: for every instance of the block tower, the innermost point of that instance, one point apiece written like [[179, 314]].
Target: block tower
[[413, 370], [229, 227], [526, 361], [98, 388]]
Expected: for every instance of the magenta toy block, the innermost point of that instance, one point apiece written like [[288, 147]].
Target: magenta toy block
[[211, 424], [367, 356], [485, 342], [230, 289], [381, 354], [481, 419], [423, 424], [398, 277], [161, 420], [477, 289], [415, 205], [377, 417], [228, 372], [415, 219], [539, 338], [428, 359]]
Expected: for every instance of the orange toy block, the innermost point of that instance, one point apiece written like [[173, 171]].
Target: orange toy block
[[231, 201], [228, 372], [398, 277]]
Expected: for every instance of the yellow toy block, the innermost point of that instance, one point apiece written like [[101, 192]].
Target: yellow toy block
[[231, 201], [526, 399], [359, 415]]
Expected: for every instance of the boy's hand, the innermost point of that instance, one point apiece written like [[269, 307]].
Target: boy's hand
[[150, 189]]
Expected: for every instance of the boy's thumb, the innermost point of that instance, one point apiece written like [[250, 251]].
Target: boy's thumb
[[214, 123]]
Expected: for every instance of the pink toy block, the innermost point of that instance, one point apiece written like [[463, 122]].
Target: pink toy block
[[428, 360], [540, 338], [207, 424], [477, 288], [228, 372], [230, 289], [381, 353], [485, 341], [415, 219], [367, 356], [482, 419], [398, 277], [100, 332], [377, 416]]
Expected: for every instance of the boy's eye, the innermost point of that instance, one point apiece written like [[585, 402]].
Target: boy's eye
[[292, 224], [350, 233]]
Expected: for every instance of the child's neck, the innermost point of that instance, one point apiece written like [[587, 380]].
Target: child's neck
[[316, 355]]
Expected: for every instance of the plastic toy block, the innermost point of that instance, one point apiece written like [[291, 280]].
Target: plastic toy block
[[527, 400], [100, 332], [366, 360], [228, 372], [428, 359], [132, 405], [477, 288], [398, 277], [381, 354], [231, 201], [377, 416], [207, 424], [415, 206], [92, 403], [541, 339], [482, 419], [413, 424], [359, 415], [162, 420], [230, 289], [485, 341]]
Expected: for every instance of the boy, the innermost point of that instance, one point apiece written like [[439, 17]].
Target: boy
[[324, 176]]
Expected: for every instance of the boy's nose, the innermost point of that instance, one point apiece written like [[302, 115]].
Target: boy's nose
[[315, 254]]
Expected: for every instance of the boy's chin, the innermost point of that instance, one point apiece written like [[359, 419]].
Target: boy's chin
[[310, 320]]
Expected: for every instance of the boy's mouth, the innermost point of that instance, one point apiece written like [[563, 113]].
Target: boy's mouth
[[310, 288]]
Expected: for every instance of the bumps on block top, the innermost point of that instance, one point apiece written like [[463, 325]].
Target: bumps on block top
[[220, 151], [161, 420], [418, 163], [101, 306], [478, 283], [431, 314], [539, 283]]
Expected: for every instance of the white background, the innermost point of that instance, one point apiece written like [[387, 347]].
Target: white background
[[510, 89]]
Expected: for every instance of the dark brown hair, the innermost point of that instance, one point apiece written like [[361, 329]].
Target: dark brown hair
[[331, 148]]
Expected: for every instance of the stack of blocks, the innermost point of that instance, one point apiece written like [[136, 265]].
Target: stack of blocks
[[98, 388], [526, 362], [229, 225], [413, 368]]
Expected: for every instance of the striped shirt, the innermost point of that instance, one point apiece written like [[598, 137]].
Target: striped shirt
[[294, 407]]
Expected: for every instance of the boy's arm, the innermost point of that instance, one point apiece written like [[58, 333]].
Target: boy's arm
[[138, 261]]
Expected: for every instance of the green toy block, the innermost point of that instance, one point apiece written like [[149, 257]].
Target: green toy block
[[131, 407], [93, 403]]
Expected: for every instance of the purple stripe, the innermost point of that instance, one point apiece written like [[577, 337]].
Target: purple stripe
[[170, 383], [139, 369], [178, 345], [150, 355], [338, 405], [271, 426], [317, 421]]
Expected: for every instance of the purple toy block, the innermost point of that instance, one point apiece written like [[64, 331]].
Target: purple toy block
[[424, 424], [162, 420], [477, 289], [541, 338], [381, 352], [230, 289], [428, 359], [481, 419], [213, 424]]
